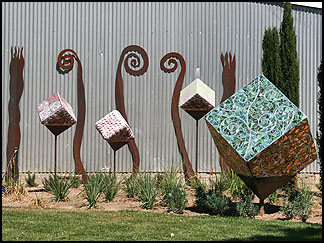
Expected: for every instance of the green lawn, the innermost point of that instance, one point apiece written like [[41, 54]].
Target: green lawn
[[52, 224]]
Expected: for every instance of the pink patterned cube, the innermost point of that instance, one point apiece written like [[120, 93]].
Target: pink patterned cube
[[56, 111], [114, 128]]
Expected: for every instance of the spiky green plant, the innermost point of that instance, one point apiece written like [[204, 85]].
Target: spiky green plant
[[147, 191], [30, 180], [57, 186], [111, 186], [238, 189], [93, 188], [170, 180], [131, 186]]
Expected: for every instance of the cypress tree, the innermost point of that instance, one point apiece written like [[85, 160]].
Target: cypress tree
[[289, 58], [271, 62]]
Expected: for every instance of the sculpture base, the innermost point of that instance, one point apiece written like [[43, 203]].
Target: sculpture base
[[57, 129], [197, 114], [264, 186], [117, 145]]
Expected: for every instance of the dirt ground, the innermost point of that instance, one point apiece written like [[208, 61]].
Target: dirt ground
[[37, 197]]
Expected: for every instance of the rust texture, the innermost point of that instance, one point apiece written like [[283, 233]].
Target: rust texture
[[170, 59], [130, 55], [228, 81], [16, 89], [66, 62]]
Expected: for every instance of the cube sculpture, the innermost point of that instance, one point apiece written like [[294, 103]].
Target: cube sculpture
[[115, 130], [197, 99], [56, 114], [262, 136]]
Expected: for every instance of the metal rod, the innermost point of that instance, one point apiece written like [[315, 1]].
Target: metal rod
[[114, 161], [196, 146], [261, 204], [55, 155]]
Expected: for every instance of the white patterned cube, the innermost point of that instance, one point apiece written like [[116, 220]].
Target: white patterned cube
[[197, 99], [56, 111], [114, 128]]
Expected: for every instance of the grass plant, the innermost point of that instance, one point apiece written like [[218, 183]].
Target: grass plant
[[57, 186], [147, 191], [93, 188], [111, 186], [30, 180]]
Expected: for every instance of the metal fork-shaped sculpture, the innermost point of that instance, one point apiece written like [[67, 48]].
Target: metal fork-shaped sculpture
[[228, 81], [16, 89]]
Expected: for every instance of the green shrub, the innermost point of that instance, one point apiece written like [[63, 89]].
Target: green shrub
[[147, 191], [30, 180], [93, 188], [245, 207], [131, 185], [200, 190], [57, 186], [219, 184], [111, 187], [215, 203], [298, 204], [238, 189], [274, 197], [176, 199], [169, 182], [211, 198]]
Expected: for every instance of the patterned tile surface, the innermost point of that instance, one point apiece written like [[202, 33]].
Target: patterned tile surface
[[114, 128], [254, 117], [56, 111]]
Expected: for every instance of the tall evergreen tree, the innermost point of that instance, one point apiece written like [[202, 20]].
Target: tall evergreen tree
[[271, 62], [289, 58]]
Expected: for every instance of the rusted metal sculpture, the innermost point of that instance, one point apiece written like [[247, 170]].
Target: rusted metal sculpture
[[197, 99], [16, 89], [171, 59], [135, 62], [228, 81], [65, 62]]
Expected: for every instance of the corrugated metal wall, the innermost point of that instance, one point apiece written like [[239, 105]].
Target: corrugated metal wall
[[98, 32]]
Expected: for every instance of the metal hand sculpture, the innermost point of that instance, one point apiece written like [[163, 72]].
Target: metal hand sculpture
[[119, 88], [170, 58], [16, 89], [228, 81], [67, 64]]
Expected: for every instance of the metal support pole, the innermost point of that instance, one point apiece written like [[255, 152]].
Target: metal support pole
[[114, 161], [261, 207], [196, 146], [55, 155], [16, 175]]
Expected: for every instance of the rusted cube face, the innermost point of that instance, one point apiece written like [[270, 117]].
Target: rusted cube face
[[115, 129], [197, 99], [56, 114], [260, 133]]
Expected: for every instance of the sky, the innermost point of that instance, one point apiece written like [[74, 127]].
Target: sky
[[310, 4]]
